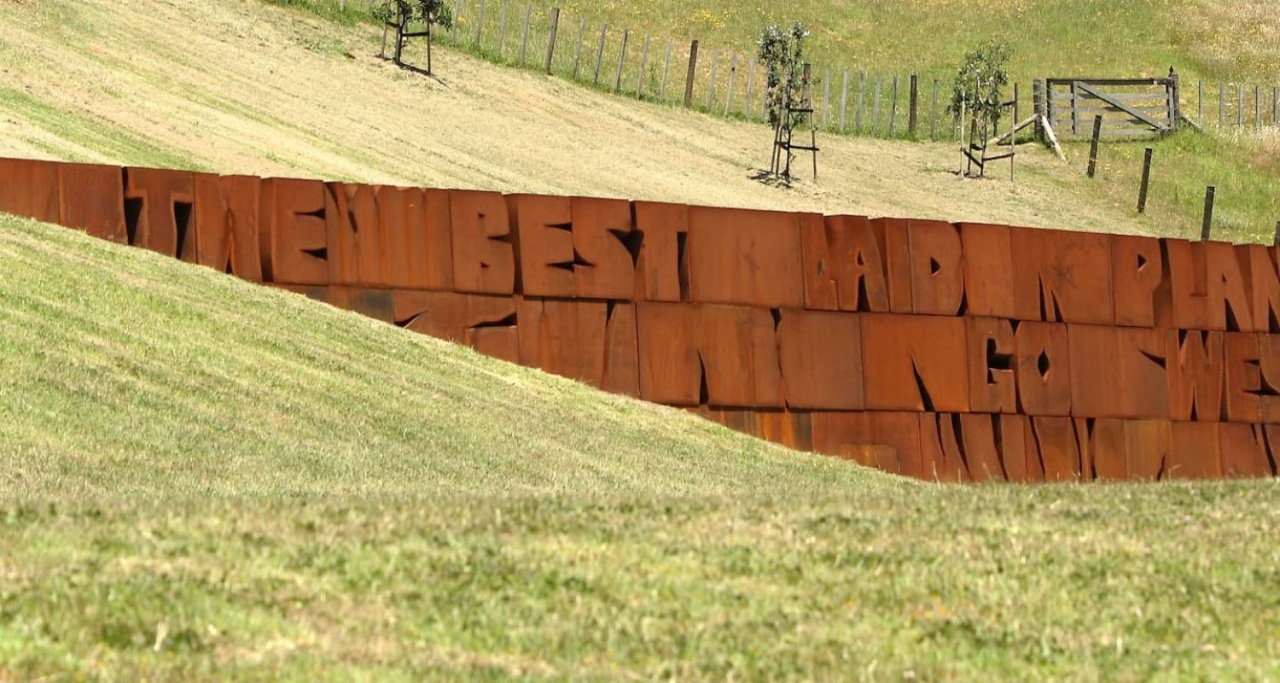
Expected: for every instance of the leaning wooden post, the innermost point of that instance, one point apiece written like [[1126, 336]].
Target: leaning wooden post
[[688, 81], [644, 58], [893, 108], [1146, 180], [1207, 226], [733, 72], [577, 52], [604, 29], [1093, 146], [551, 40], [666, 66], [622, 60], [502, 29], [913, 107], [524, 43], [844, 98], [933, 113]]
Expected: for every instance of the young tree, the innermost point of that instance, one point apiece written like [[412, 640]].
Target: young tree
[[782, 53], [979, 84], [406, 12]]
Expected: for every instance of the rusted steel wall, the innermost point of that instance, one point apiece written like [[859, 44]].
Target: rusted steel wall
[[961, 352]]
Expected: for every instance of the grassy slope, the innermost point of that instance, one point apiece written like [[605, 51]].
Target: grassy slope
[[245, 87], [204, 479]]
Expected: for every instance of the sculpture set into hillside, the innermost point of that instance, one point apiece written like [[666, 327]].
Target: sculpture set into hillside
[[951, 351]]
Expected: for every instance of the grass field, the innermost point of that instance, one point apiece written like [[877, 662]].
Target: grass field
[[201, 479]]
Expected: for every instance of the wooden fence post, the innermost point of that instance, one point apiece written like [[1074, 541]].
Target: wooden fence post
[[733, 71], [1146, 180], [502, 29], [1222, 104], [644, 59], [826, 99], [577, 52], [933, 113], [457, 14], [688, 81], [1274, 101], [666, 67], [893, 108], [1093, 146], [1207, 226], [711, 84], [480, 25], [751, 80], [844, 98], [913, 112], [1239, 105], [1200, 102], [524, 43], [622, 60], [551, 39], [604, 29], [1257, 111], [862, 86], [875, 114]]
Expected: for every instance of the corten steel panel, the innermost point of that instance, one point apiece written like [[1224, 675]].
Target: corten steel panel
[[621, 357], [1148, 448], [91, 198], [937, 268], [730, 353], [483, 255], [544, 244], [1059, 448], [1208, 286], [1119, 372], [1269, 369], [915, 363], [1107, 444], [1195, 451], [1196, 376], [1084, 441], [1271, 433], [982, 452], [941, 452], [1243, 379], [1062, 276], [603, 239], [662, 266], [1042, 362], [843, 265], [417, 238], [821, 357], [354, 235], [742, 257], [161, 215], [791, 429], [895, 248], [226, 224], [1243, 451], [1264, 285], [565, 338], [29, 188], [502, 343], [450, 315], [887, 441], [992, 384], [291, 231], [378, 304], [988, 269], [1019, 452], [1137, 272]]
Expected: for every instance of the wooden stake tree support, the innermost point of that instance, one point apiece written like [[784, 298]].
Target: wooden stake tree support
[[796, 115], [406, 17]]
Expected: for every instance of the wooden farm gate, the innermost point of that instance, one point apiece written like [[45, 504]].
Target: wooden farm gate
[[1130, 107]]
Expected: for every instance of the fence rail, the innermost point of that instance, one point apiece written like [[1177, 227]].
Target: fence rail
[[731, 83]]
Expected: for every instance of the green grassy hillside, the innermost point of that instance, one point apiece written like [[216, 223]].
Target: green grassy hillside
[[201, 479]]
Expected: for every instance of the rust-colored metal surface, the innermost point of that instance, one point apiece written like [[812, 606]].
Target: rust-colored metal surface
[[953, 352]]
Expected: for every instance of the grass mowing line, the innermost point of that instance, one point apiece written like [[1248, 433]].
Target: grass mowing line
[[107, 139]]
